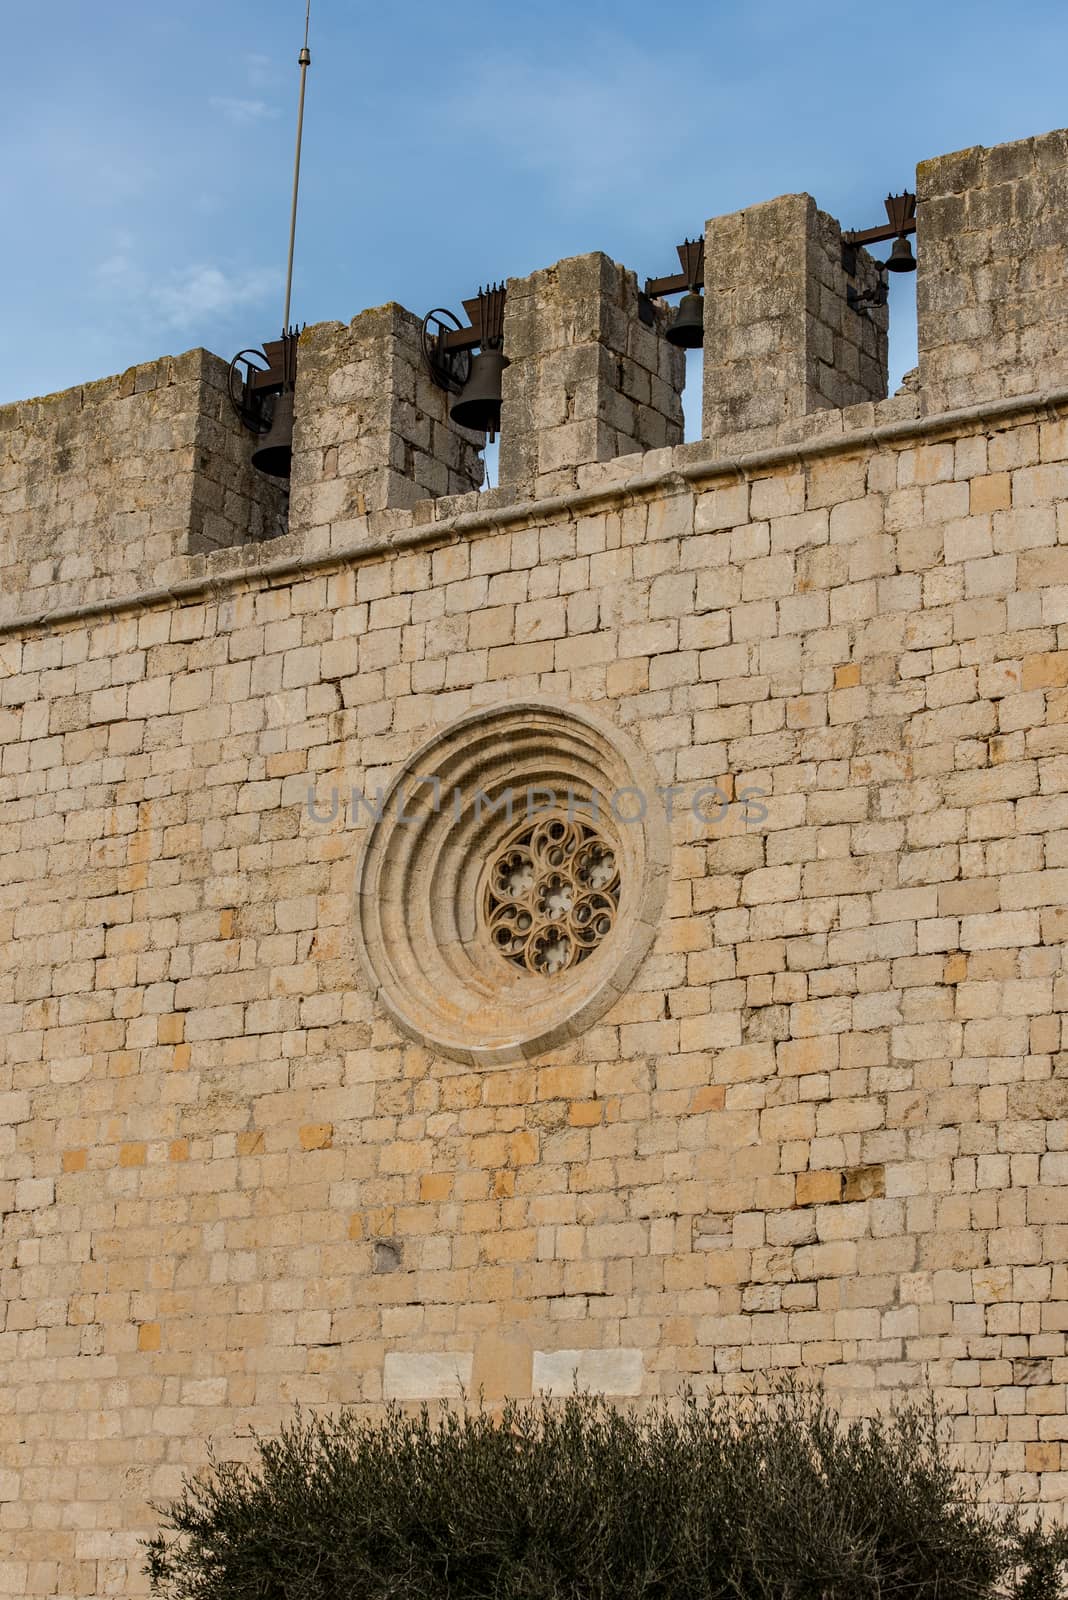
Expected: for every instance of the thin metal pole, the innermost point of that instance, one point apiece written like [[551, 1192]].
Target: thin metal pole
[[304, 60]]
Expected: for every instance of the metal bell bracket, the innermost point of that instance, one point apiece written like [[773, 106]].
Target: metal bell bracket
[[447, 347], [901, 214], [878, 296], [691, 253], [255, 376], [442, 343]]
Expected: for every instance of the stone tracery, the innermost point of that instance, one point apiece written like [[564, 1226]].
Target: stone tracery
[[552, 894]]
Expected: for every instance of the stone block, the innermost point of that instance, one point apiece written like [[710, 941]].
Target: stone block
[[781, 339], [607, 1372], [370, 432], [426, 1375], [818, 1188], [991, 252], [124, 474], [586, 380]]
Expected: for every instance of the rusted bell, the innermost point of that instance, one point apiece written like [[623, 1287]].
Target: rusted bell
[[901, 258], [274, 453], [479, 404], [687, 329]]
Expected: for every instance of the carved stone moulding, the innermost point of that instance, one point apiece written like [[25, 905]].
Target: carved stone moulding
[[513, 880]]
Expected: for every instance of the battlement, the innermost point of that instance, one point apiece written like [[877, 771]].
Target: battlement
[[118, 476], [992, 288], [143, 480]]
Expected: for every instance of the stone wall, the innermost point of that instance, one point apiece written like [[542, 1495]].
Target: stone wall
[[781, 337], [105, 486], [372, 431], [819, 1123], [992, 285], [590, 379]]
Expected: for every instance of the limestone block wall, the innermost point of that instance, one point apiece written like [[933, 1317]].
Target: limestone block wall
[[781, 339], [589, 380], [819, 1125], [825, 1127], [105, 485], [372, 431], [992, 281]]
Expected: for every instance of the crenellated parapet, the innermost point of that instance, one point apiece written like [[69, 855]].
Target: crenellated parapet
[[111, 486], [372, 432], [143, 480], [782, 338], [592, 376]]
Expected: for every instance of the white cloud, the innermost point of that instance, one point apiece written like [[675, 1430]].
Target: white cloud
[[243, 113], [261, 70], [204, 294], [183, 297]]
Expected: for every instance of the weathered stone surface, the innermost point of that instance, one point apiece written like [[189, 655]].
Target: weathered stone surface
[[588, 380], [612, 1372], [992, 281], [372, 432], [106, 487], [428, 1376], [823, 1124], [781, 339]]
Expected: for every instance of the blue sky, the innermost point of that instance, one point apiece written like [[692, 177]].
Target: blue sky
[[149, 148]]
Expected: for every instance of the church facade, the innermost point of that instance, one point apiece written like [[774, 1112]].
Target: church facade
[[606, 929]]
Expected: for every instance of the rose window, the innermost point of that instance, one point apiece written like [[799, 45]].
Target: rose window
[[489, 933], [552, 895]]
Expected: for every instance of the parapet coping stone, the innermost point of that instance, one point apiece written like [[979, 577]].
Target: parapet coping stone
[[678, 469]]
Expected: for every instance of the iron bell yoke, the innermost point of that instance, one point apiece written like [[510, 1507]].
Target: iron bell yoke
[[475, 380], [686, 329], [479, 404], [901, 212], [901, 221], [261, 385]]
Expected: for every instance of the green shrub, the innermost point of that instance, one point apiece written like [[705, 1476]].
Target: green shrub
[[776, 1500]]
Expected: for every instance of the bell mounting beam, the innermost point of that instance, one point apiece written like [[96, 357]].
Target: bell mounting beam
[[691, 253], [281, 369], [486, 311], [900, 209], [256, 376]]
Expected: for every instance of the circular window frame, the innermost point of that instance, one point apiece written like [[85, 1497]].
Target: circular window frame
[[420, 935]]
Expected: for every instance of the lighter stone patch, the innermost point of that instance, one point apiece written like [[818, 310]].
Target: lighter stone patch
[[426, 1375], [597, 1371]]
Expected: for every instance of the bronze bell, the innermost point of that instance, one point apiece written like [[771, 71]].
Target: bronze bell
[[274, 453], [901, 258], [687, 329], [479, 404]]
